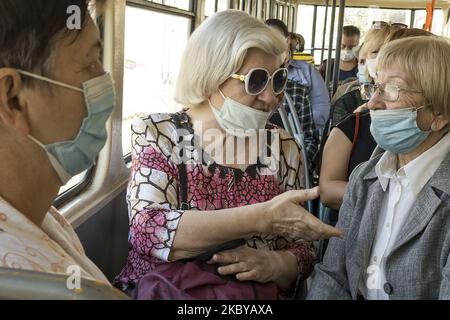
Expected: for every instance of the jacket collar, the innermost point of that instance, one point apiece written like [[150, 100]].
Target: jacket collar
[[429, 199]]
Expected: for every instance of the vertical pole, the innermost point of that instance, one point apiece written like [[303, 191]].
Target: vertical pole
[[259, 14], [327, 2], [330, 44], [338, 46], [313, 38], [294, 26]]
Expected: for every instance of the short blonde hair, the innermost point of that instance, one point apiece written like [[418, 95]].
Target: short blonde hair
[[217, 49], [406, 33], [373, 41], [426, 61]]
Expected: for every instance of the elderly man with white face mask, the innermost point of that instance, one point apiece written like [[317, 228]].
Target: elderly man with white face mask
[[55, 99]]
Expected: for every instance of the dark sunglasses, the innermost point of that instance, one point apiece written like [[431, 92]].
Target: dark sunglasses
[[257, 79]]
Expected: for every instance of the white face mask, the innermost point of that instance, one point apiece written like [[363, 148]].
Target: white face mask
[[371, 65], [347, 55], [236, 118]]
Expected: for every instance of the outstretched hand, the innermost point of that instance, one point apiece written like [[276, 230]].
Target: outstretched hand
[[286, 217]]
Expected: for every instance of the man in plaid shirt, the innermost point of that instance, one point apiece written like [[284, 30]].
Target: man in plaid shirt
[[302, 102]]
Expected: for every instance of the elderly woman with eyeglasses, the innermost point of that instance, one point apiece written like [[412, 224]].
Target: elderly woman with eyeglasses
[[201, 177], [396, 209], [350, 141]]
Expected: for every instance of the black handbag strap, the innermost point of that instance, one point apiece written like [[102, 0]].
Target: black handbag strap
[[207, 255], [182, 175]]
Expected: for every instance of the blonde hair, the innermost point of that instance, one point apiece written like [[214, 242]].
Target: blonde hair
[[406, 33], [426, 61], [217, 49], [373, 41]]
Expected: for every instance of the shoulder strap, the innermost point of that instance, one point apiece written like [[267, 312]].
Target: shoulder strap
[[355, 139], [181, 170]]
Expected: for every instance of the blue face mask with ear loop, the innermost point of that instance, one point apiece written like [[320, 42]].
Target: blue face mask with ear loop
[[362, 74], [396, 130], [70, 158]]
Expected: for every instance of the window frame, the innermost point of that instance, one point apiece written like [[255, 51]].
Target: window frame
[[312, 48], [144, 4]]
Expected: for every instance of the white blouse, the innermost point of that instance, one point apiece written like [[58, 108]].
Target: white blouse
[[52, 248]]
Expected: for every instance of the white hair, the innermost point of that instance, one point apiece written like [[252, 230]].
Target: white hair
[[217, 49]]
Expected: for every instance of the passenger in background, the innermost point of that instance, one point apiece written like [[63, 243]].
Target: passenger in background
[[296, 42], [357, 83], [55, 99], [395, 211], [181, 207], [348, 65], [297, 48], [307, 82]]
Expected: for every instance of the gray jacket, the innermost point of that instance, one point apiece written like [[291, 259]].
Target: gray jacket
[[418, 266]]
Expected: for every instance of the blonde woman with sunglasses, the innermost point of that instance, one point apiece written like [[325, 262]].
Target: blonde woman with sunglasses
[[191, 188]]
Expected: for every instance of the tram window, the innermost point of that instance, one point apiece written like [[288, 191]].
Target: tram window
[[154, 43], [318, 55], [223, 5], [420, 17], [210, 7], [357, 16], [305, 15], [182, 4], [363, 17]]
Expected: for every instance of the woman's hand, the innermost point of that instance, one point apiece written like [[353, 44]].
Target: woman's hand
[[258, 265], [361, 108], [284, 216]]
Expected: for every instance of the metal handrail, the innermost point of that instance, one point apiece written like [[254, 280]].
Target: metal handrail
[[293, 123], [16, 284]]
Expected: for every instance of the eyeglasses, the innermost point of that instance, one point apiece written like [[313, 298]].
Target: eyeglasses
[[256, 80], [388, 91], [382, 24]]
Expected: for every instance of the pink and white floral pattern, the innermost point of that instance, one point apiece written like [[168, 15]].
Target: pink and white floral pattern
[[154, 200]]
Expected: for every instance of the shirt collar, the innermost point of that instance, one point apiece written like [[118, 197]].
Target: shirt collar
[[418, 171], [421, 169], [386, 168]]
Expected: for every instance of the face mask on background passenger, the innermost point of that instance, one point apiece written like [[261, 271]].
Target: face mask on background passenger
[[371, 65], [347, 55], [396, 130], [70, 158], [362, 73], [235, 118]]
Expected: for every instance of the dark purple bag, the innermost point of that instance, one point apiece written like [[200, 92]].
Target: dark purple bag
[[198, 280]]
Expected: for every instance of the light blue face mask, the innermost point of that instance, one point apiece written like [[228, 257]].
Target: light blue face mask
[[396, 130], [362, 74], [70, 158]]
